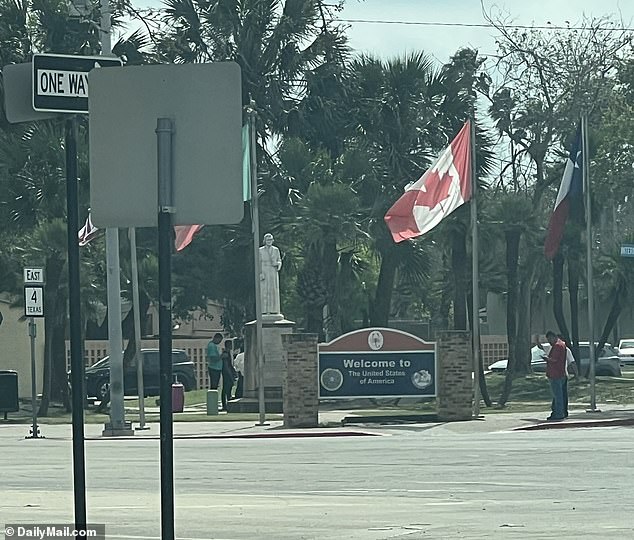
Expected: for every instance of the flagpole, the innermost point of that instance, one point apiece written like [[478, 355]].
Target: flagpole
[[586, 188], [255, 223], [475, 272], [134, 270]]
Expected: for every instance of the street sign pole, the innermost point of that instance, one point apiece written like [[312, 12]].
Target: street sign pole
[[76, 356], [35, 431], [33, 307], [164, 131]]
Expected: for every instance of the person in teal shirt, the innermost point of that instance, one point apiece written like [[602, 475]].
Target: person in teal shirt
[[214, 361]]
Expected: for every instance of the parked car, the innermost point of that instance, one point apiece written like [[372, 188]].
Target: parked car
[[608, 362], [626, 351], [98, 375]]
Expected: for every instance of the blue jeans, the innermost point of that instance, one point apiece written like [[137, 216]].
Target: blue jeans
[[557, 389]]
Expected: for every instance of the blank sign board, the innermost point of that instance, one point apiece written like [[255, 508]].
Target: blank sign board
[[205, 105], [18, 90]]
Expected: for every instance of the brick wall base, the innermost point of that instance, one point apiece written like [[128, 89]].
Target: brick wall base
[[455, 382], [301, 397]]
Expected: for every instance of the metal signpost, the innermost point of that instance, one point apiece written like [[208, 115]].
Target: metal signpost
[[190, 171], [33, 307]]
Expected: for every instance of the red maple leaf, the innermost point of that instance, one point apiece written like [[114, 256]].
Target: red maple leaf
[[437, 187]]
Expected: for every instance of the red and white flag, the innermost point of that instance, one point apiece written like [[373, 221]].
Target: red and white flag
[[184, 234], [88, 232], [442, 189]]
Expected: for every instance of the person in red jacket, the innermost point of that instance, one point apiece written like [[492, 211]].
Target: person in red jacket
[[556, 373]]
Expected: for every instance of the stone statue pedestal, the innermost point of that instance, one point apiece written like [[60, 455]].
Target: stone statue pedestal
[[273, 327]]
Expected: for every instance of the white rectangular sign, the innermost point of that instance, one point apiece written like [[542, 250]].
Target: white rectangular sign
[[34, 276], [34, 301], [50, 82], [60, 81], [627, 250]]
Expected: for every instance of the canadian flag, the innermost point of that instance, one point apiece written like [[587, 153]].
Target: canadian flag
[[184, 234], [443, 188]]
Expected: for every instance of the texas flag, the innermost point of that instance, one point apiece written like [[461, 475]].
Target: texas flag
[[570, 191], [442, 189]]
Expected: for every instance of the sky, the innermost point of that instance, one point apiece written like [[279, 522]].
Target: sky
[[388, 40], [440, 34]]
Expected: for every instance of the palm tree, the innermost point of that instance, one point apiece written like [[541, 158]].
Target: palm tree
[[326, 222], [275, 42], [514, 212]]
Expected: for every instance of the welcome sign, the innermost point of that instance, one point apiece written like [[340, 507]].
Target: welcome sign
[[377, 362]]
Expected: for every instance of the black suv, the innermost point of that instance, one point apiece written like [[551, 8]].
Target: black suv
[[98, 375]]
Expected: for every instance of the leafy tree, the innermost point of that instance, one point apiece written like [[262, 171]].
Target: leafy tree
[[545, 80]]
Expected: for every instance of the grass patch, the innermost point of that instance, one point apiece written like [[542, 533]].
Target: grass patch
[[535, 388], [195, 397]]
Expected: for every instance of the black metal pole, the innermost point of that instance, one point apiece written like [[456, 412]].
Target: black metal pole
[[165, 210], [76, 354], [35, 431]]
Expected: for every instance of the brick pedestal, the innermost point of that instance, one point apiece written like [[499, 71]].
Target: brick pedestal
[[455, 382], [301, 398]]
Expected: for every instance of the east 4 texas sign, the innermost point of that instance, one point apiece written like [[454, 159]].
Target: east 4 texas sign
[[60, 82]]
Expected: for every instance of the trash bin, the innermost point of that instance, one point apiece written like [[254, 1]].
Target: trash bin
[[9, 391], [178, 397], [212, 402]]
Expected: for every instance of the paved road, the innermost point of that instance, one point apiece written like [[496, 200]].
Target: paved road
[[409, 483]]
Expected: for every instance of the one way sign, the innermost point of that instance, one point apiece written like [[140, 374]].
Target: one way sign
[[60, 82]]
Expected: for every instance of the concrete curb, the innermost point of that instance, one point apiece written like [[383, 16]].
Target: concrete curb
[[568, 424], [266, 435]]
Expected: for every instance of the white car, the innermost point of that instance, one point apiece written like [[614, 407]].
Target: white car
[[626, 351], [608, 362]]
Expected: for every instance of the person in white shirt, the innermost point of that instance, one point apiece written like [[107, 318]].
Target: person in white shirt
[[571, 367], [238, 364]]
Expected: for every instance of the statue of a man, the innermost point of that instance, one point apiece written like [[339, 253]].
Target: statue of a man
[[271, 263]]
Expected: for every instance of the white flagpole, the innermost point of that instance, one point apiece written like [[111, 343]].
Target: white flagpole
[[475, 273], [255, 219], [589, 239]]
